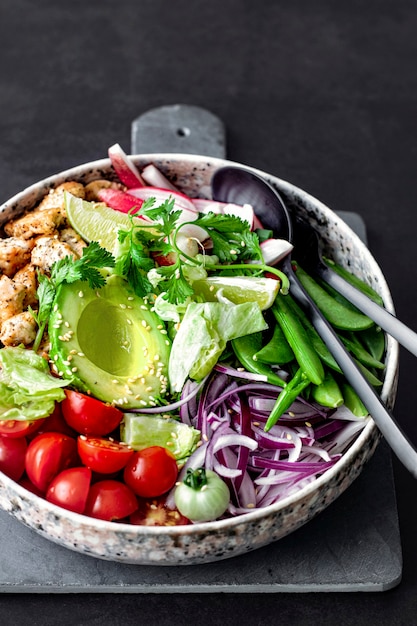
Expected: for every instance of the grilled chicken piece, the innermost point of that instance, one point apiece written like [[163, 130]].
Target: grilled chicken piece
[[55, 198], [37, 222], [18, 329], [47, 250], [73, 240], [12, 296], [14, 254], [27, 277]]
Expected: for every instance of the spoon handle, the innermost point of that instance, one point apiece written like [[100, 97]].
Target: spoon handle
[[396, 438], [393, 326]]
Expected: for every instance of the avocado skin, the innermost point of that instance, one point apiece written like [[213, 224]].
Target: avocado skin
[[109, 343]]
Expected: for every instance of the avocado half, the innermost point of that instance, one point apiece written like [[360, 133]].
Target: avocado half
[[109, 343]]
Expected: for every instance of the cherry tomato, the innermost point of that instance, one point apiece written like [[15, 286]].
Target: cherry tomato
[[12, 456], [89, 416], [110, 500], [70, 488], [56, 423], [155, 513], [103, 455], [25, 482], [151, 472], [19, 428], [47, 455]]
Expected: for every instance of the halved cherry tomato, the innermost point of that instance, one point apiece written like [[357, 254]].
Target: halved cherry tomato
[[110, 500], [12, 456], [56, 423], [70, 488], [104, 456], [19, 428], [155, 513], [47, 455], [89, 416], [151, 472]]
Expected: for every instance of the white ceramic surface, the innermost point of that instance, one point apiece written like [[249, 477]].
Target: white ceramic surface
[[210, 541]]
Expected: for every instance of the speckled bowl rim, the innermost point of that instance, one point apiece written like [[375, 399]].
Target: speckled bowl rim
[[370, 434]]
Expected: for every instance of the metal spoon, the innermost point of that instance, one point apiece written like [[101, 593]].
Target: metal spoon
[[240, 186]]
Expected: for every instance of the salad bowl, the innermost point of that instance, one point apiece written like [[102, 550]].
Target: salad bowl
[[209, 541]]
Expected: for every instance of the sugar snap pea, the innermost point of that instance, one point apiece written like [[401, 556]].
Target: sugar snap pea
[[355, 347], [374, 341], [328, 393], [316, 341], [286, 397], [338, 315], [245, 348], [355, 281], [352, 401], [277, 351], [297, 337]]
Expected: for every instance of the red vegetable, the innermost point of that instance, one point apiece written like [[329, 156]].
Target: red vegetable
[[124, 167], [89, 416], [47, 455], [110, 500], [103, 455], [70, 488], [151, 472], [12, 456]]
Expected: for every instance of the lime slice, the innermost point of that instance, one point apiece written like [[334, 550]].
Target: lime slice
[[239, 289], [95, 222]]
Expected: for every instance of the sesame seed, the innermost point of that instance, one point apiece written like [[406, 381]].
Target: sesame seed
[[144, 323], [81, 294], [122, 306], [128, 321], [74, 369]]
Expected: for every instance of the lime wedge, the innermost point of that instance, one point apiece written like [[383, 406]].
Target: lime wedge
[[238, 289], [95, 222]]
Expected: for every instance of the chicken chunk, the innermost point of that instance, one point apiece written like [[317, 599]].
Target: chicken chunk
[[14, 254], [12, 296], [18, 329], [36, 222], [47, 250], [72, 238], [55, 198], [92, 189], [27, 277]]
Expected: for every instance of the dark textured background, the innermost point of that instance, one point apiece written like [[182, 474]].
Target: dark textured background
[[323, 94]]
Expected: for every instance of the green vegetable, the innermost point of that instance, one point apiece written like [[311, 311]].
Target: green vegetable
[[336, 313], [144, 431], [355, 347], [286, 397], [328, 393], [277, 351], [203, 334], [109, 343], [202, 496], [352, 401], [355, 281], [27, 389], [298, 339], [245, 349], [374, 341]]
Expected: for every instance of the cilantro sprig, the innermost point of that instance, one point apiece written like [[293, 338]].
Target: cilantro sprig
[[69, 270]]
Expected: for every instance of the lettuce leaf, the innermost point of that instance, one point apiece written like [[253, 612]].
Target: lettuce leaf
[[27, 389], [203, 334]]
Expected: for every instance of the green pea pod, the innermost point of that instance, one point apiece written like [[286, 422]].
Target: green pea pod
[[368, 374], [297, 337], [328, 393], [316, 341], [355, 281], [245, 348], [287, 396], [354, 346], [374, 341], [352, 401], [335, 312], [277, 351]]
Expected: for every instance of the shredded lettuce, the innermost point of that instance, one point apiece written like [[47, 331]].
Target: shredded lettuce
[[203, 334], [27, 389]]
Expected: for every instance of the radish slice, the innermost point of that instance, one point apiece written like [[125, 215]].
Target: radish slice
[[274, 250], [119, 200], [245, 212], [124, 167], [155, 178], [205, 206], [257, 223], [161, 195]]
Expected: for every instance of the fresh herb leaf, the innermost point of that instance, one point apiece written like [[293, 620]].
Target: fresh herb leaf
[[174, 283], [222, 223]]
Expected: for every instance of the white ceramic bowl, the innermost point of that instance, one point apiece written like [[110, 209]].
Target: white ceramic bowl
[[210, 541]]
